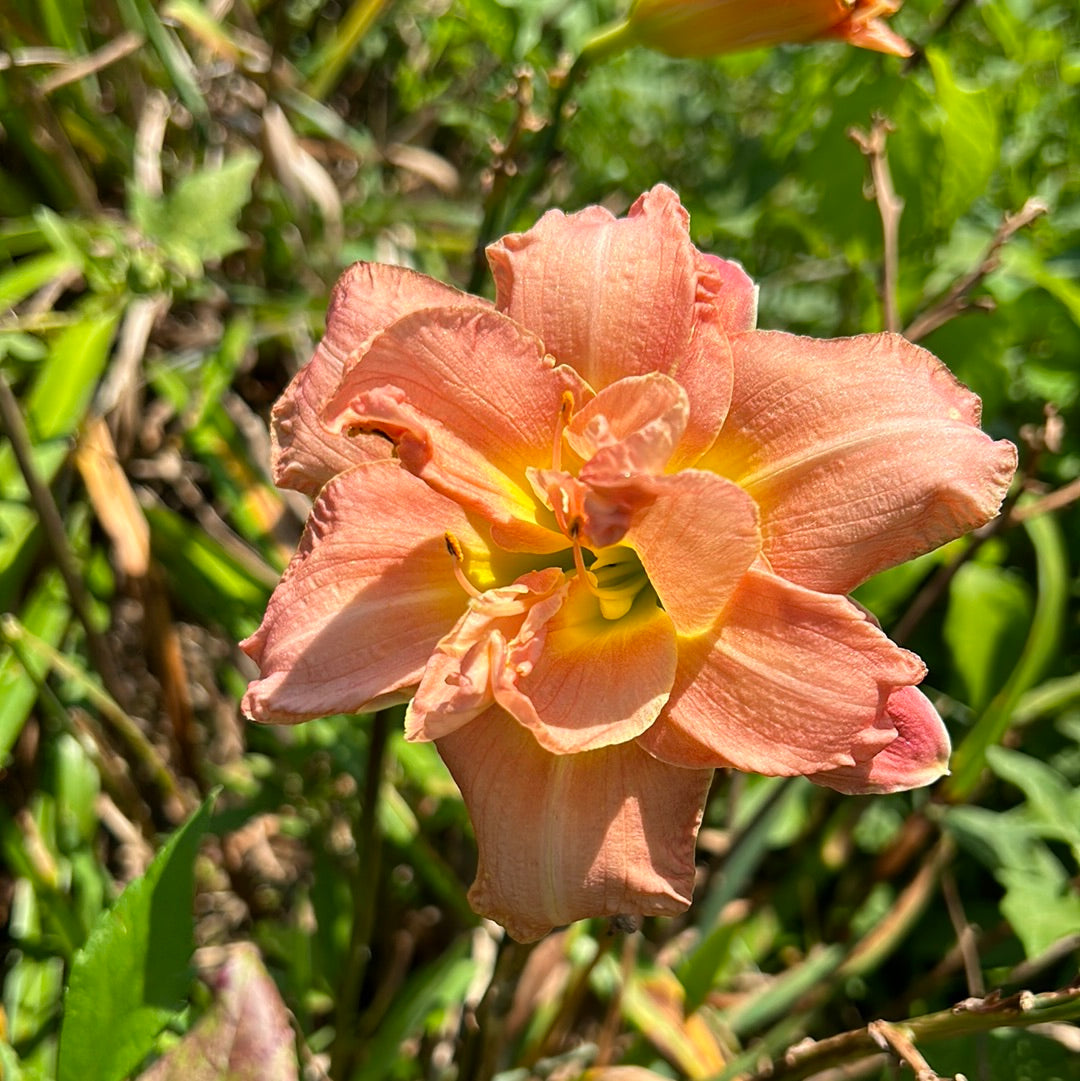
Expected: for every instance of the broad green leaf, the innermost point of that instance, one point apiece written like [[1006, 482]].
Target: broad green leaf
[[1048, 618], [987, 619], [1040, 902], [970, 136], [132, 975], [60, 396], [1053, 804], [196, 222]]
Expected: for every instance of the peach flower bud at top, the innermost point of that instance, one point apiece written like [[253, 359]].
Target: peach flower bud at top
[[695, 28]]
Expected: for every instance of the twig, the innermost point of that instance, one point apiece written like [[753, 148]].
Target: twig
[[56, 540], [506, 200], [956, 300], [973, 1015], [1061, 497], [892, 1038], [965, 935], [890, 207], [122, 45]]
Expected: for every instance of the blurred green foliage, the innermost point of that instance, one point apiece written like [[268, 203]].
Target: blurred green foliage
[[180, 184]]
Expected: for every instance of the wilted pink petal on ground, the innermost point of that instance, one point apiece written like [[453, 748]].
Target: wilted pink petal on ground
[[562, 837]]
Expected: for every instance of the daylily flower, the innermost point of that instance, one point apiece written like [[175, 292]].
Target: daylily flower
[[600, 533], [711, 27]]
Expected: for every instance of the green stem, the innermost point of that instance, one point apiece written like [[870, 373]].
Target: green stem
[[368, 850], [1052, 569], [330, 61]]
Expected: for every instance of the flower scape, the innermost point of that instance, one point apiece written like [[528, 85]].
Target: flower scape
[[600, 533]]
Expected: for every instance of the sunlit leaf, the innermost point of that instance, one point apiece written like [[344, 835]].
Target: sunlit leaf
[[133, 974]]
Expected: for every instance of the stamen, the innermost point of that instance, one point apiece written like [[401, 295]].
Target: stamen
[[573, 532], [566, 411], [453, 546]]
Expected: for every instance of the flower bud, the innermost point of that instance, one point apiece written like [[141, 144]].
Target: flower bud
[[695, 28]]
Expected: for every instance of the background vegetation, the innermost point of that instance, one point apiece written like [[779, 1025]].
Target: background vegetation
[[180, 184]]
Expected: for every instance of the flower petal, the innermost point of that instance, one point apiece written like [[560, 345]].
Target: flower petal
[[644, 415], [502, 629], [595, 682], [736, 295], [861, 453], [565, 837], [864, 27], [364, 601], [618, 297], [366, 298], [471, 401], [696, 541], [918, 756], [793, 682]]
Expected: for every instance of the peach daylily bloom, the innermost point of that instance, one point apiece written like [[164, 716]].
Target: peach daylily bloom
[[601, 534], [697, 28]]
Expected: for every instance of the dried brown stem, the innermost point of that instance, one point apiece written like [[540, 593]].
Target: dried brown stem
[[893, 1038], [890, 207], [122, 45], [957, 299], [973, 1015]]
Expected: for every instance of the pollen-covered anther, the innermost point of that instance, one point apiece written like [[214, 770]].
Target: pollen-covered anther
[[457, 553], [566, 412]]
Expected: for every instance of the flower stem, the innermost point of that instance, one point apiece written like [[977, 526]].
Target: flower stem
[[368, 851]]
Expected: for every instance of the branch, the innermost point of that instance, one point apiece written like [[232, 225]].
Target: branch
[[970, 1016], [956, 300], [890, 207]]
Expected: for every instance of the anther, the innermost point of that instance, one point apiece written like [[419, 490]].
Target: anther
[[566, 411], [453, 546]]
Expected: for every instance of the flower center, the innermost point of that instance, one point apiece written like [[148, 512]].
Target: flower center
[[617, 577]]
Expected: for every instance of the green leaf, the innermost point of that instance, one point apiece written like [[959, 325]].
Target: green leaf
[[60, 397], [989, 612], [196, 222], [132, 976], [45, 614], [1053, 805], [970, 136], [1040, 903]]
